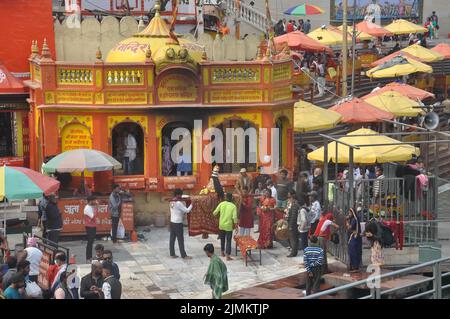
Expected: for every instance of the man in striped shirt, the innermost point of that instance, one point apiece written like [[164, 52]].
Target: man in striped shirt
[[313, 259], [378, 185]]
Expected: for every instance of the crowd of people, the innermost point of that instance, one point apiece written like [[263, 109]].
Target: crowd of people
[[283, 26], [19, 276]]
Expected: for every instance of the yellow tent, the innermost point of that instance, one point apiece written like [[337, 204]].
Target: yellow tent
[[398, 66], [395, 103], [327, 36], [424, 54], [361, 36], [366, 154], [402, 26], [308, 117]]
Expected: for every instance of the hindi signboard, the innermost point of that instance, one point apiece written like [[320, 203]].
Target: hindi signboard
[[73, 219], [177, 88], [75, 136]]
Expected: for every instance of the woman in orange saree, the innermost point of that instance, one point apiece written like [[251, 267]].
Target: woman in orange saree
[[266, 212]]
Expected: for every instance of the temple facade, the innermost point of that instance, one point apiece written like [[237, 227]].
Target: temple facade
[[147, 86]]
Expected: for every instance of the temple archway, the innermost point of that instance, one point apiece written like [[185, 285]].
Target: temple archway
[[249, 144], [172, 166], [132, 157]]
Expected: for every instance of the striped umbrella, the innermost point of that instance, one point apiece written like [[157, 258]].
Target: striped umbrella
[[304, 10], [81, 160], [18, 183]]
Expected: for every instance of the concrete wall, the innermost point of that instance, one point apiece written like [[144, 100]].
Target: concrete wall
[[80, 44]]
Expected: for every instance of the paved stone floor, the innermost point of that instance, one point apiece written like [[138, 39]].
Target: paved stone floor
[[147, 271]]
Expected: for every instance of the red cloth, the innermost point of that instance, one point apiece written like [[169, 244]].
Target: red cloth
[[91, 222], [290, 27], [245, 243], [200, 219], [246, 212], [266, 220], [327, 231], [398, 231], [52, 271]]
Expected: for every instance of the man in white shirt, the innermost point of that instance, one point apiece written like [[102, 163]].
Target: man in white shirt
[[321, 81], [34, 256], [130, 154], [177, 210], [315, 210]]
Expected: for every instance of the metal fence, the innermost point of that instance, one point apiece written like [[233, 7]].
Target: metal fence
[[399, 201], [431, 287]]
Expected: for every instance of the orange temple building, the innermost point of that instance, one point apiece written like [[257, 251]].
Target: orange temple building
[[148, 85]]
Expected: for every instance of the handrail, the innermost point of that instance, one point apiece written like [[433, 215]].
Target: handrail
[[249, 14], [384, 276]]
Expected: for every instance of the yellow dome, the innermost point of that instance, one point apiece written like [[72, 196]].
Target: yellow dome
[[164, 49]]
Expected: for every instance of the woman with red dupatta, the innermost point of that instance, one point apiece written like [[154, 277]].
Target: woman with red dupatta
[[266, 213]]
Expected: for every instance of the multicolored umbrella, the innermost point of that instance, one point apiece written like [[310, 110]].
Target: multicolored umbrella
[[81, 160], [18, 183], [304, 10]]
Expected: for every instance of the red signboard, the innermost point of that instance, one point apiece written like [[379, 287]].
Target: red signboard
[[47, 255], [12, 161], [73, 220], [130, 182]]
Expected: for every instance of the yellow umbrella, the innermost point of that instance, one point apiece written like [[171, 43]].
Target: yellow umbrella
[[398, 66], [308, 117], [327, 36], [361, 36], [395, 103], [424, 54], [366, 154], [402, 26]]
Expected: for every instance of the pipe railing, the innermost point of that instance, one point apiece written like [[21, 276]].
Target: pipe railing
[[377, 293]]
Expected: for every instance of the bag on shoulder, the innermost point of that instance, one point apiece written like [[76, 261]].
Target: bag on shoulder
[[384, 233], [334, 238]]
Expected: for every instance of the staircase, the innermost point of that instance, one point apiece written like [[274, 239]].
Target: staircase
[[248, 14]]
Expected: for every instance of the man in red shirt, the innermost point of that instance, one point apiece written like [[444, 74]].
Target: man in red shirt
[[290, 26], [52, 271]]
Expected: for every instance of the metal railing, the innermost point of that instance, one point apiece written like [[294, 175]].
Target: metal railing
[[431, 287], [248, 14], [410, 211]]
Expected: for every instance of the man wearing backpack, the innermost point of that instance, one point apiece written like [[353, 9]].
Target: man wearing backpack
[[304, 224]]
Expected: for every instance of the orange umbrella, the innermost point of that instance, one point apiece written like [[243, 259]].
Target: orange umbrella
[[443, 48], [393, 55], [359, 111], [407, 90], [373, 29], [299, 41]]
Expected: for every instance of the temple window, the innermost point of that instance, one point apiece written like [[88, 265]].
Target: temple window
[[180, 162], [128, 148], [6, 134], [249, 151]]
